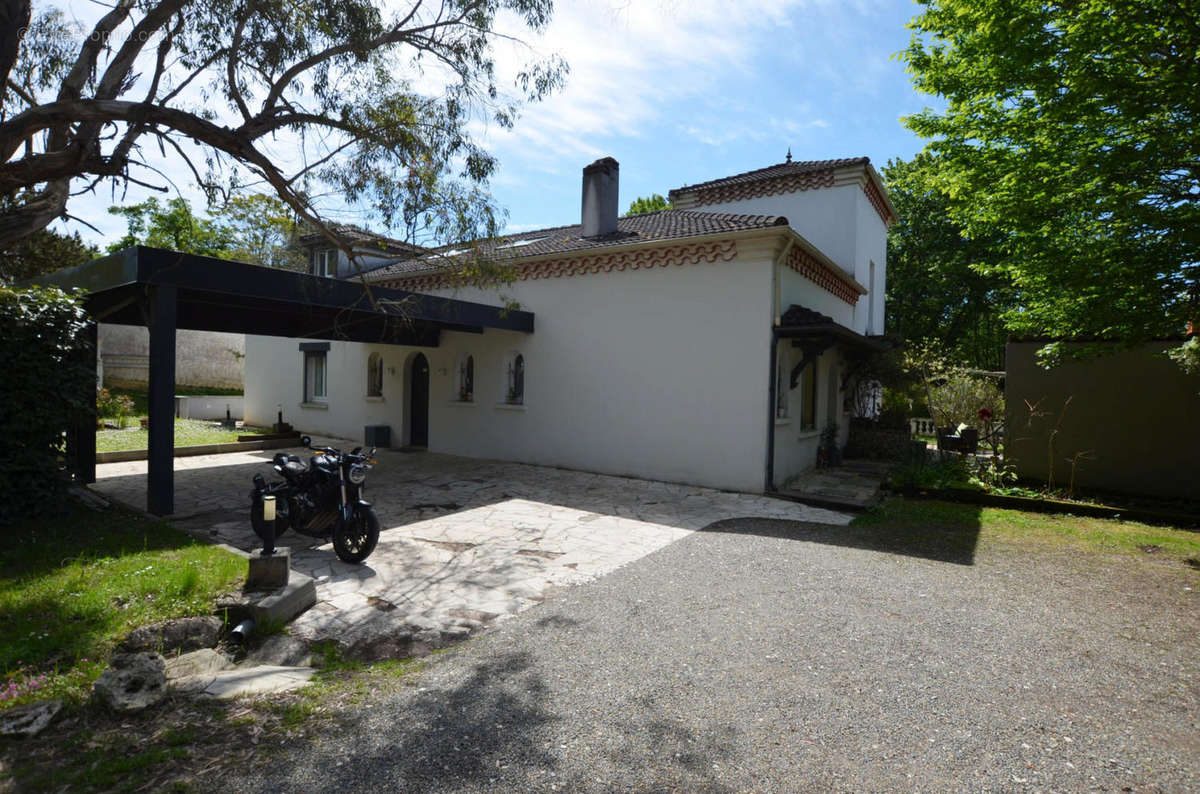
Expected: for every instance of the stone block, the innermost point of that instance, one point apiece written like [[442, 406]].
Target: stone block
[[281, 650], [170, 636], [269, 572], [133, 681], [29, 720], [273, 607]]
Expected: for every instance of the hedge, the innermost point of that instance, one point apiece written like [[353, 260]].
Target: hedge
[[47, 385]]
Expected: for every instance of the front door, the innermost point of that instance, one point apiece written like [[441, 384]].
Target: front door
[[418, 410]]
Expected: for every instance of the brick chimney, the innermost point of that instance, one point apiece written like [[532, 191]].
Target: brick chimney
[[600, 197]]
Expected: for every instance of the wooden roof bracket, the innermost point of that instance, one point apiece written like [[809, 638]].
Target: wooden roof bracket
[[812, 349]]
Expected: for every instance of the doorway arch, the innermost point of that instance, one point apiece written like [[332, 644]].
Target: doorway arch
[[418, 402]]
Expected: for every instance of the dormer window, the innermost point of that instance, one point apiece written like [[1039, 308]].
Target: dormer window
[[325, 262]]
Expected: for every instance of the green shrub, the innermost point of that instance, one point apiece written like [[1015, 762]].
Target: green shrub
[[113, 405], [48, 387], [959, 398], [920, 470]]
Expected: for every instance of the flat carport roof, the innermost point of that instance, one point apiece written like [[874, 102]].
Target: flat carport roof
[[165, 290]]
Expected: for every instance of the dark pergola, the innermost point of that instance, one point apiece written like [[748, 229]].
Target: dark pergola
[[166, 290]]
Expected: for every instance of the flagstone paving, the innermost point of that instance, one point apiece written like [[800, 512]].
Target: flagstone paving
[[464, 541]]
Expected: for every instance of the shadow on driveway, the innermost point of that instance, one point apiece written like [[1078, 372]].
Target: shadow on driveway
[[945, 533]]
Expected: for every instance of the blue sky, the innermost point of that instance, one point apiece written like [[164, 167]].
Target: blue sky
[[680, 91]]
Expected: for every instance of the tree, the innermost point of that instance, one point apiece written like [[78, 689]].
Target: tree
[[262, 230], [375, 101], [172, 226], [44, 251], [942, 284], [1073, 131], [257, 228], [644, 204]]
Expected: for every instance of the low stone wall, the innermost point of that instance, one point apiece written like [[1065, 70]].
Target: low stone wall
[[870, 441], [208, 406], [202, 358]]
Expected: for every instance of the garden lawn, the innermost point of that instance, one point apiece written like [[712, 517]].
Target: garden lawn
[[72, 585], [917, 522], [188, 433]]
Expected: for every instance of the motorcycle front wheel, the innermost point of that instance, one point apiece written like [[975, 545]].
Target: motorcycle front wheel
[[355, 540]]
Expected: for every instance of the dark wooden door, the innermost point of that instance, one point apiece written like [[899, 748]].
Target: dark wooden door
[[418, 411]]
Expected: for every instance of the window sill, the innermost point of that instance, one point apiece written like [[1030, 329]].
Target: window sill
[[783, 421], [807, 434], [510, 406], [371, 398], [470, 403], [320, 406]]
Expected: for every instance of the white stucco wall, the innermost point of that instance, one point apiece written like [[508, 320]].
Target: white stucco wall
[[841, 222], [796, 447], [658, 373]]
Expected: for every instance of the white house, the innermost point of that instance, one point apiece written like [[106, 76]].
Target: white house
[[708, 344]]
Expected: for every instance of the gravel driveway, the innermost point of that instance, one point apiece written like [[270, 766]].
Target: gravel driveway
[[767, 656]]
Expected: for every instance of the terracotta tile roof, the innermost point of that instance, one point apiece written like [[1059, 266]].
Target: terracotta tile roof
[[799, 317], [644, 228], [796, 168]]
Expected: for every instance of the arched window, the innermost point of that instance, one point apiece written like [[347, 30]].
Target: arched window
[[374, 375], [515, 372], [466, 378]]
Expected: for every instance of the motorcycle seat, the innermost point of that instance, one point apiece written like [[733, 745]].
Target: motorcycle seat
[[295, 466]]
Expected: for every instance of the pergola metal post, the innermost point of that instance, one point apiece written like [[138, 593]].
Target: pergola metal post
[[161, 314], [166, 290], [81, 440]]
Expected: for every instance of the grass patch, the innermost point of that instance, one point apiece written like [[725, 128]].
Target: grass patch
[[72, 585], [188, 433], [915, 519]]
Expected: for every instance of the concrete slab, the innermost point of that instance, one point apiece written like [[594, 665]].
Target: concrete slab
[[461, 537], [244, 681], [205, 661]]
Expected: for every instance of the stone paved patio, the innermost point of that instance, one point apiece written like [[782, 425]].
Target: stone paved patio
[[465, 541], [855, 485]]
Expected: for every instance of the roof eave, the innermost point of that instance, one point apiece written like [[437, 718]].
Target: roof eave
[[736, 234]]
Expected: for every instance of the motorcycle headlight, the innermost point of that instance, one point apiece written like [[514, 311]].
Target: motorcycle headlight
[[358, 474]]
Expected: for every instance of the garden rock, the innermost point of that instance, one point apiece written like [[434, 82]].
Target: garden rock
[[281, 650], [181, 634], [29, 720], [133, 682]]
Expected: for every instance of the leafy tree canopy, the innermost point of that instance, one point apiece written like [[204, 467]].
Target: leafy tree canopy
[[942, 284], [1071, 132], [44, 251], [256, 228], [644, 204], [373, 102], [172, 225]]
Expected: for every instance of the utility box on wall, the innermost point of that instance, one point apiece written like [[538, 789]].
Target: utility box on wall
[[377, 436]]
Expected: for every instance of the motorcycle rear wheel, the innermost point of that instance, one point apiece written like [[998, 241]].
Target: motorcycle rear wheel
[[355, 540]]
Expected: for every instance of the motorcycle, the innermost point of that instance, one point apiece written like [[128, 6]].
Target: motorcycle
[[323, 499]]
